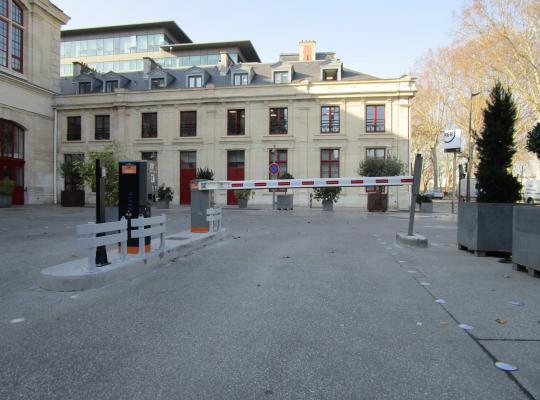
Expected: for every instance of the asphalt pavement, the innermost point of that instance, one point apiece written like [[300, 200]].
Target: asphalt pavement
[[301, 304]]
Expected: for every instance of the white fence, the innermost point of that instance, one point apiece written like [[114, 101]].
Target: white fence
[[116, 232], [213, 216]]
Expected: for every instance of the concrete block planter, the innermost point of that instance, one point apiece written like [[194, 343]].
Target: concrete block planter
[[328, 205], [485, 227], [284, 202], [242, 203], [526, 243], [377, 202], [426, 207]]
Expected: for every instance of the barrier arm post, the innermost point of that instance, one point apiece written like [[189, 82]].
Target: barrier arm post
[[142, 250], [414, 192]]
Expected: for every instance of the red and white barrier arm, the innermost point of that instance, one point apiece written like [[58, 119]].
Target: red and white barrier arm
[[307, 183]]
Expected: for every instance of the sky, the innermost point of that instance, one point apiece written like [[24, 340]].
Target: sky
[[384, 38]]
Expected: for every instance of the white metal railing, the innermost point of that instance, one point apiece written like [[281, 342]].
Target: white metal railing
[[148, 227], [114, 233], [213, 216], [307, 183]]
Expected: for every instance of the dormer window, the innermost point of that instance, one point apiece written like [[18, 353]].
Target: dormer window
[[330, 75], [281, 77], [85, 87], [111, 86], [240, 79], [157, 83], [195, 81]]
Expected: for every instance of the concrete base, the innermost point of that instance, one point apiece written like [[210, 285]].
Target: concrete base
[[415, 240], [72, 276]]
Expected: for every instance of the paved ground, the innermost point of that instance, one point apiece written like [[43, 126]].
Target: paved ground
[[292, 305]]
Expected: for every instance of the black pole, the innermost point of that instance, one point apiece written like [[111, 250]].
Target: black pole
[[414, 191], [101, 251]]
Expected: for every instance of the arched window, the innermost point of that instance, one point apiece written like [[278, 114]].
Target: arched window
[[11, 35], [11, 140]]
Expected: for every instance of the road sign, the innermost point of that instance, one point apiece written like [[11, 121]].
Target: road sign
[[274, 168], [452, 141]]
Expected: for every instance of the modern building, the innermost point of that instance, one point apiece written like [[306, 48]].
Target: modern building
[[189, 105], [29, 79]]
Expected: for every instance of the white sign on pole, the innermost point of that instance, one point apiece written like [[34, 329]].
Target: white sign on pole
[[452, 140]]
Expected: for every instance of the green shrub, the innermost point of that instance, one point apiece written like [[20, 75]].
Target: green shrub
[[390, 166], [164, 193], [7, 186], [205, 173], [244, 193], [327, 194]]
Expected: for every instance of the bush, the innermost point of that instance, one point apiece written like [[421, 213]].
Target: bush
[[164, 193], [390, 166], [286, 175], [496, 148], [7, 186], [205, 173], [69, 170], [243, 193], [327, 194]]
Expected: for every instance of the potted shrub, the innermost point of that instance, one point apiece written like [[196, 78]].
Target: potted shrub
[[526, 230], [486, 226], [284, 201], [205, 173], [328, 196], [72, 196], [110, 156], [370, 167], [7, 186], [164, 196], [425, 203], [243, 195]]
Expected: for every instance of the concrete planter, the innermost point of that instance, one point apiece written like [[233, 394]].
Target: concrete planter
[[526, 239], [284, 202], [377, 202], [485, 227], [426, 207], [162, 204], [242, 203], [5, 201], [328, 205]]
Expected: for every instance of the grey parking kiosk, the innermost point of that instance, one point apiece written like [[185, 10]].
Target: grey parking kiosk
[[201, 201]]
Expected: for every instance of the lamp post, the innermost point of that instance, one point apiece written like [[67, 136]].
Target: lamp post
[[469, 167]]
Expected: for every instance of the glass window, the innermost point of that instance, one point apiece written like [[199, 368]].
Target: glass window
[[16, 13], [3, 43], [110, 86], [213, 59], [99, 47], [236, 122], [17, 49], [103, 127], [281, 158], [240, 79], [142, 43], [235, 159], [281, 77], [116, 44], [330, 74], [234, 57], [92, 47], [73, 128], [330, 119], [4, 8], [188, 123], [375, 118], [375, 152], [279, 124], [195, 60], [329, 163], [188, 159], [11, 140], [157, 83], [72, 181], [108, 46], [149, 125], [195, 81], [85, 87]]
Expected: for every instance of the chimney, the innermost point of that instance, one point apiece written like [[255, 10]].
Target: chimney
[[148, 65], [224, 62], [306, 51], [78, 68]]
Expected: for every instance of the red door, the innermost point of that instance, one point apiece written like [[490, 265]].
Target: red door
[[235, 172], [12, 157], [188, 171]]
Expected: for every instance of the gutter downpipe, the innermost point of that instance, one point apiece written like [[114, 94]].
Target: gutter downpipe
[[55, 148]]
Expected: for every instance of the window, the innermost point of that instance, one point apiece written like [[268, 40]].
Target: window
[[188, 123], [281, 77], [330, 74], [235, 159], [11, 140], [330, 119], [103, 127], [236, 122], [240, 79], [72, 182], [280, 158], [157, 83], [279, 121], [188, 159], [195, 81], [375, 119], [111, 86], [11, 35], [330, 163], [73, 128], [149, 125], [376, 152], [85, 87]]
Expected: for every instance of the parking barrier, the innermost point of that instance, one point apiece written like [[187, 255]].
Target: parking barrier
[[213, 216], [149, 227]]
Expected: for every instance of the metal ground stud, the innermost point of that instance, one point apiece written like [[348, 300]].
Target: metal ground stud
[[414, 240]]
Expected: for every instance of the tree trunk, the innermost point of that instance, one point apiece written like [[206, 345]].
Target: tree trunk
[[435, 162]]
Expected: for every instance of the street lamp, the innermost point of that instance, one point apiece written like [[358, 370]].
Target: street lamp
[[469, 167]]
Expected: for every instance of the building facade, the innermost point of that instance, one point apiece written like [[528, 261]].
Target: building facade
[[232, 114], [29, 79]]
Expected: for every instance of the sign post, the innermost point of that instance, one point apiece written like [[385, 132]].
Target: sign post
[[101, 251], [452, 144], [274, 174], [414, 191]]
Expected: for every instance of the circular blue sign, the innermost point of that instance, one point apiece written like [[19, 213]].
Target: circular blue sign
[[274, 168]]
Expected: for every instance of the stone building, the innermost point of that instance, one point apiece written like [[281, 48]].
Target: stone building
[[29, 78], [189, 105]]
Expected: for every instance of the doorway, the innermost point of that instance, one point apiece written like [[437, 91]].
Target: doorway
[[235, 172], [188, 172]]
